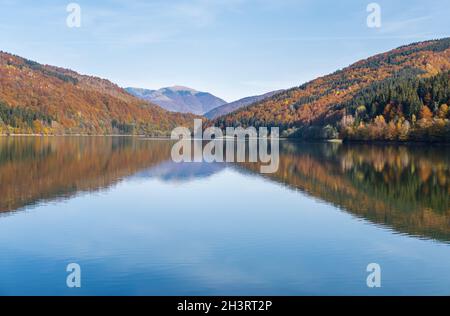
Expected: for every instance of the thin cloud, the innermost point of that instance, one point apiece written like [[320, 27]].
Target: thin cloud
[[389, 27]]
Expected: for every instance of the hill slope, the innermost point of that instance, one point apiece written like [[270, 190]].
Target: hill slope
[[399, 95], [37, 98], [233, 106], [179, 99]]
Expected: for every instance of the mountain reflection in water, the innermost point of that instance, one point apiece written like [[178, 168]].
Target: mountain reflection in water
[[406, 188]]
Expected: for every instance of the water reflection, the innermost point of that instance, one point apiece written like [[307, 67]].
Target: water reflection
[[405, 188], [32, 169]]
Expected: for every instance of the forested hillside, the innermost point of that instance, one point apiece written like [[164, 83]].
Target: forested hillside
[[399, 95], [43, 99]]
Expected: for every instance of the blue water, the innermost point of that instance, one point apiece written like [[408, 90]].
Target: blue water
[[202, 229]]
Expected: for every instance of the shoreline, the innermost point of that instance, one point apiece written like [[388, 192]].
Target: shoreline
[[335, 141], [80, 135]]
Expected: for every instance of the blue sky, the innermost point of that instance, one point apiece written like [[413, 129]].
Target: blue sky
[[231, 48]]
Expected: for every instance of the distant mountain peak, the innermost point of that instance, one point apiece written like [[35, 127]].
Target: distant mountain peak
[[180, 88], [179, 99], [236, 105]]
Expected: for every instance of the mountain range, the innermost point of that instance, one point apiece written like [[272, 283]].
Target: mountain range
[[187, 100], [399, 95], [179, 99]]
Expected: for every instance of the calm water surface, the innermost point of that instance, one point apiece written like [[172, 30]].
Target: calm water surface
[[139, 224]]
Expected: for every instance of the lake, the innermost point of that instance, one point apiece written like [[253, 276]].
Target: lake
[[139, 224]]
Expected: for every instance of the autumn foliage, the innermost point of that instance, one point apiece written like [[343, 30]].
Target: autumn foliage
[[43, 99], [384, 97]]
